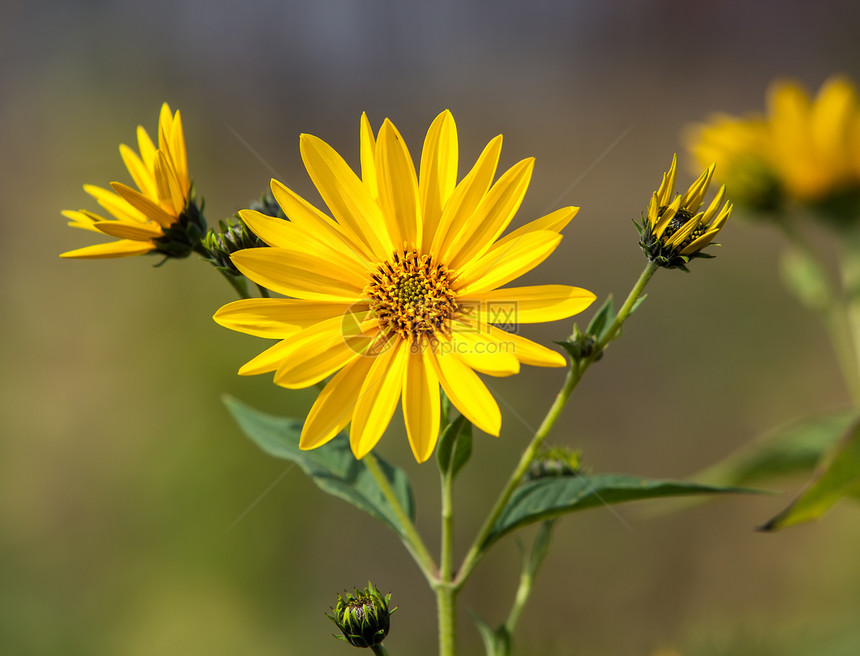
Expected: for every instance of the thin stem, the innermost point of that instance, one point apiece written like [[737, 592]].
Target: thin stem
[[414, 544], [840, 314], [446, 596], [237, 283], [850, 262], [379, 650], [446, 604], [574, 375]]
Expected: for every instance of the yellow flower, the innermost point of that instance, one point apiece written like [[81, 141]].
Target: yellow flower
[[396, 295], [741, 148], [812, 139], [675, 231], [157, 216], [805, 149]]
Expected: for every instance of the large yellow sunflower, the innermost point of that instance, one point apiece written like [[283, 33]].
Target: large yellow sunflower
[[141, 218], [397, 293]]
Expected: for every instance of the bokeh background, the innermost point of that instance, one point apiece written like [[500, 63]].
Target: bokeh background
[[136, 520]]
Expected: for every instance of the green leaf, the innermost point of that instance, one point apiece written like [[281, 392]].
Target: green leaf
[[837, 477], [332, 467], [550, 497], [455, 446], [602, 319], [789, 449], [497, 642], [805, 278]]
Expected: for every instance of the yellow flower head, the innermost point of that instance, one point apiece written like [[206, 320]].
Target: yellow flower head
[[675, 231], [805, 149], [741, 148], [396, 292], [159, 215], [814, 142]]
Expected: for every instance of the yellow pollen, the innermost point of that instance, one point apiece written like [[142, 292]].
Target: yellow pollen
[[410, 295]]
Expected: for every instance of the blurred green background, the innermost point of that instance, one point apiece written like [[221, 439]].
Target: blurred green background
[[135, 519]]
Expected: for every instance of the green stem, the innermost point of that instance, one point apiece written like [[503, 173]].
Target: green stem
[[446, 595], [850, 262], [237, 283], [414, 544], [574, 375], [379, 650], [840, 314], [446, 603]]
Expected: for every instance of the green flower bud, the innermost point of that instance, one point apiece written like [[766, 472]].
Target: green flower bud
[[362, 617], [554, 462], [229, 238]]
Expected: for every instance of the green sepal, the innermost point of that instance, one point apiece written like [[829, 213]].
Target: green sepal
[[837, 476], [332, 467], [545, 498], [455, 447]]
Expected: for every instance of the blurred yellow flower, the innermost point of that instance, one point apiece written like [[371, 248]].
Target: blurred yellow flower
[[806, 149], [812, 140], [141, 218], [741, 150], [674, 230], [396, 295]]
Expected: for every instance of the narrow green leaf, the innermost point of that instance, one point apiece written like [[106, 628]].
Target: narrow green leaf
[[805, 278], [455, 446], [837, 477], [602, 319], [332, 467], [796, 447], [550, 497], [572, 349], [637, 303], [497, 642]]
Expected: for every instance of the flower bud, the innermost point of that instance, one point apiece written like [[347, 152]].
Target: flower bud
[[362, 617]]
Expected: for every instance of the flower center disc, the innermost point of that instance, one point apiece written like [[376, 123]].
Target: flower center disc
[[411, 296]]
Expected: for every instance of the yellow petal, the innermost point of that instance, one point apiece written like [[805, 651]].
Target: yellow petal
[[270, 359], [438, 172], [276, 317], [121, 248], [316, 223], [115, 204], [467, 392], [501, 265], [136, 231], [378, 398], [142, 176], [421, 404], [178, 154], [555, 221], [169, 191], [398, 187], [367, 148], [146, 148], [527, 351], [280, 233], [492, 216], [319, 356], [334, 406], [466, 196], [144, 205], [82, 219], [298, 274], [515, 305], [346, 196], [480, 351]]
